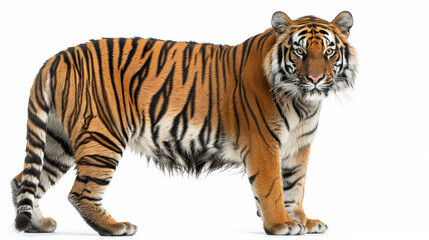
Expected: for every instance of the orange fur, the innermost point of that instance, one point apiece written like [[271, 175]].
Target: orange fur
[[191, 107]]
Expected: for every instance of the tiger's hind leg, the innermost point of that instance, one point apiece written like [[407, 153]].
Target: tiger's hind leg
[[57, 160], [97, 157]]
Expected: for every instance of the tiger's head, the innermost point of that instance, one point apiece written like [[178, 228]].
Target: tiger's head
[[311, 58]]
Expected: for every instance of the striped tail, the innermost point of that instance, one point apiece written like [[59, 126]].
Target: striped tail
[[38, 109]]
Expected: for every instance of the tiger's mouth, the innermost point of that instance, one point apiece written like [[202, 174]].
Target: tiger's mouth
[[292, 87], [316, 91]]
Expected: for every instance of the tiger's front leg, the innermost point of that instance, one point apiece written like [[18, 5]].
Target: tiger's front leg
[[263, 169], [293, 180]]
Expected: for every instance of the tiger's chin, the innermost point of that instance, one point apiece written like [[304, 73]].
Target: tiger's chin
[[314, 96], [316, 93]]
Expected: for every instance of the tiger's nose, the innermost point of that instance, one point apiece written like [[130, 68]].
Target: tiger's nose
[[315, 78]]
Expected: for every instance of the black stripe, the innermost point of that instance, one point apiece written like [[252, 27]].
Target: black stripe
[[121, 43], [218, 130], [39, 92], [86, 163], [31, 171], [208, 118], [94, 136], [72, 119], [280, 56], [32, 157], [140, 77], [182, 118], [313, 114], [249, 48], [72, 52], [271, 188], [289, 186], [28, 184], [302, 32], [52, 73], [35, 120], [254, 119], [105, 162], [244, 46], [262, 39], [25, 201], [27, 190], [225, 62], [161, 97], [265, 122], [35, 140], [186, 60], [203, 136], [237, 121], [203, 62], [283, 116], [50, 171], [309, 132], [245, 157], [86, 197], [64, 144], [252, 178], [162, 57], [66, 88], [52, 181], [130, 56], [289, 172], [86, 190], [243, 95], [297, 110], [41, 187], [86, 179], [17, 185]]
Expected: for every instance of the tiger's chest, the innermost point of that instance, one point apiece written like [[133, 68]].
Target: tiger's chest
[[299, 128]]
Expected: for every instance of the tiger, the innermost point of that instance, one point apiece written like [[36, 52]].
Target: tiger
[[190, 108]]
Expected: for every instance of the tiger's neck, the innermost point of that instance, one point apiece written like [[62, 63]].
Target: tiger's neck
[[248, 92], [246, 61]]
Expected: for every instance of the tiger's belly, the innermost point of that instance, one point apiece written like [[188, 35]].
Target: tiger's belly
[[191, 149]]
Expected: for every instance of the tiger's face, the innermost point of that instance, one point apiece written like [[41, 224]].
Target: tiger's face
[[311, 58]]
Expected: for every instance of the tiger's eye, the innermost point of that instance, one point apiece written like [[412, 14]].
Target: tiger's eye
[[329, 51], [300, 51]]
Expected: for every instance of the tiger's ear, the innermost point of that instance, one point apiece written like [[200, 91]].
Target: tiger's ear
[[280, 21], [343, 21]]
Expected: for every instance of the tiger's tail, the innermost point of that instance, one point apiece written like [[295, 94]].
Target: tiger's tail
[[38, 111]]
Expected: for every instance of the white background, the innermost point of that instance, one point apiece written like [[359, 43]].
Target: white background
[[369, 169]]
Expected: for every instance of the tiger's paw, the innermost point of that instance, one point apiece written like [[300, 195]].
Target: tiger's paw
[[287, 228], [316, 226], [45, 225], [120, 229]]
